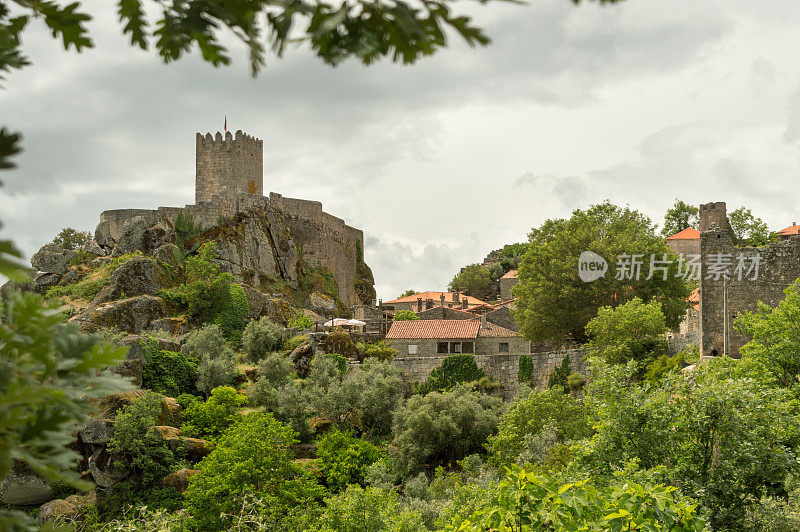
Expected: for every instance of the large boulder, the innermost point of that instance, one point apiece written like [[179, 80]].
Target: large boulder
[[109, 405], [52, 258], [179, 479], [23, 487], [97, 431], [173, 326], [135, 277], [103, 470], [132, 368], [102, 235], [65, 508], [132, 237], [321, 304], [133, 342], [196, 449], [44, 281], [301, 357], [168, 432], [133, 314]]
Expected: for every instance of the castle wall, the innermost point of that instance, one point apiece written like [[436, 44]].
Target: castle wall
[[228, 166]]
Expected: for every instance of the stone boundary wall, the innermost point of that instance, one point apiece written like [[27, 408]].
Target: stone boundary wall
[[503, 367], [676, 344]]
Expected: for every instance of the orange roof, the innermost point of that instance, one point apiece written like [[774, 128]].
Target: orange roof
[[512, 274], [478, 307], [793, 229], [434, 329], [492, 330], [694, 299], [449, 297], [690, 233]]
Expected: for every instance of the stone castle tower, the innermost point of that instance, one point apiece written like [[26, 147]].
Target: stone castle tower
[[226, 167]]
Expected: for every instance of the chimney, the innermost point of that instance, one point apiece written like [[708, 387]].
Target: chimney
[[428, 303], [419, 304], [456, 298], [464, 303], [441, 298]]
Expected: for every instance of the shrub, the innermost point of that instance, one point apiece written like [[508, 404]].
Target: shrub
[[206, 342], [370, 509], [611, 338], [455, 369], [529, 501], [558, 377], [341, 343], [71, 239], [339, 362], [215, 372], [381, 350], [231, 313], [137, 445], [405, 315], [211, 418], [295, 341], [253, 456], [374, 393], [300, 321], [530, 415], [85, 289], [575, 381], [261, 337], [345, 459], [441, 428], [167, 372], [525, 372]]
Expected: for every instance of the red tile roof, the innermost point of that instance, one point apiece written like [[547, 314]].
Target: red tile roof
[[436, 296], [447, 329], [512, 274], [492, 330], [690, 233], [793, 229]]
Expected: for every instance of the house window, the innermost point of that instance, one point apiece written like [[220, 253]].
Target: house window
[[455, 347], [503, 347], [467, 347], [442, 348], [412, 349]]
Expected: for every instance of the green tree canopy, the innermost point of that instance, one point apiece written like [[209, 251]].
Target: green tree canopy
[[473, 280], [407, 293], [748, 229], [633, 331], [678, 217], [554, 304]]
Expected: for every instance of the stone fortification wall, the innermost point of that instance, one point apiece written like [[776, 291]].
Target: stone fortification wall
[[503, 367]]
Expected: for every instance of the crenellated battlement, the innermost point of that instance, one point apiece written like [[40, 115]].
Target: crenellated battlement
[[227, 166]]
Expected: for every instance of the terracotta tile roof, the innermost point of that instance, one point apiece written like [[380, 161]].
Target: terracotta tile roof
[[492, 330], [446, 329], [512, 274], [690, 233], [793, 229], [437, 297], [473, 308], [504, 303]]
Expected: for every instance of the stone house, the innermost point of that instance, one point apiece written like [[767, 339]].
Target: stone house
[[790, 231], [427, 300], [429, 338], [507, 282], [439, 312], [686, 242]]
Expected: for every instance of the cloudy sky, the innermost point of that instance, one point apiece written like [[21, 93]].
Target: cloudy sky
[[439, 163]]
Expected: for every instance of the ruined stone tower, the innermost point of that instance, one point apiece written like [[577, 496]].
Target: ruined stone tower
[[713, 213], [228, 166]]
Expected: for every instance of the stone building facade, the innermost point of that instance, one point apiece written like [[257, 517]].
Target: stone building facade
[[431, 338], [507, 282], [778, 267], [229, 181]]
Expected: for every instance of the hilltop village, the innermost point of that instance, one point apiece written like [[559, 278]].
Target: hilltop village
[[248, 319]]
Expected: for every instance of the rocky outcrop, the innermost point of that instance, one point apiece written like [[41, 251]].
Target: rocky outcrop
[[138, 276], [179, 480], [66, 508], [139, 234], [52, 258], [23, 487], [109, 405], [196, 449], [97, 431], [133, 314], [101, 466]]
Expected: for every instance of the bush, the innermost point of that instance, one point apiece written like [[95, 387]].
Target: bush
[[441, 428], [345, 459], [231, 314], [381, 350], [529, 501], [300, 321], [455, 369], [611, 338], [530, 416], [525, 372], [261, 337], [169, 373], [71, 239], [253, 456], [405, 315], [575, 381], [341, 343], [217, 361], [558, 377], [211, 418], [295, 341], [370, 509], [137, 445]]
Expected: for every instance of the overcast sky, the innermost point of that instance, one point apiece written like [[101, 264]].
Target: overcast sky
[[438, 163]]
